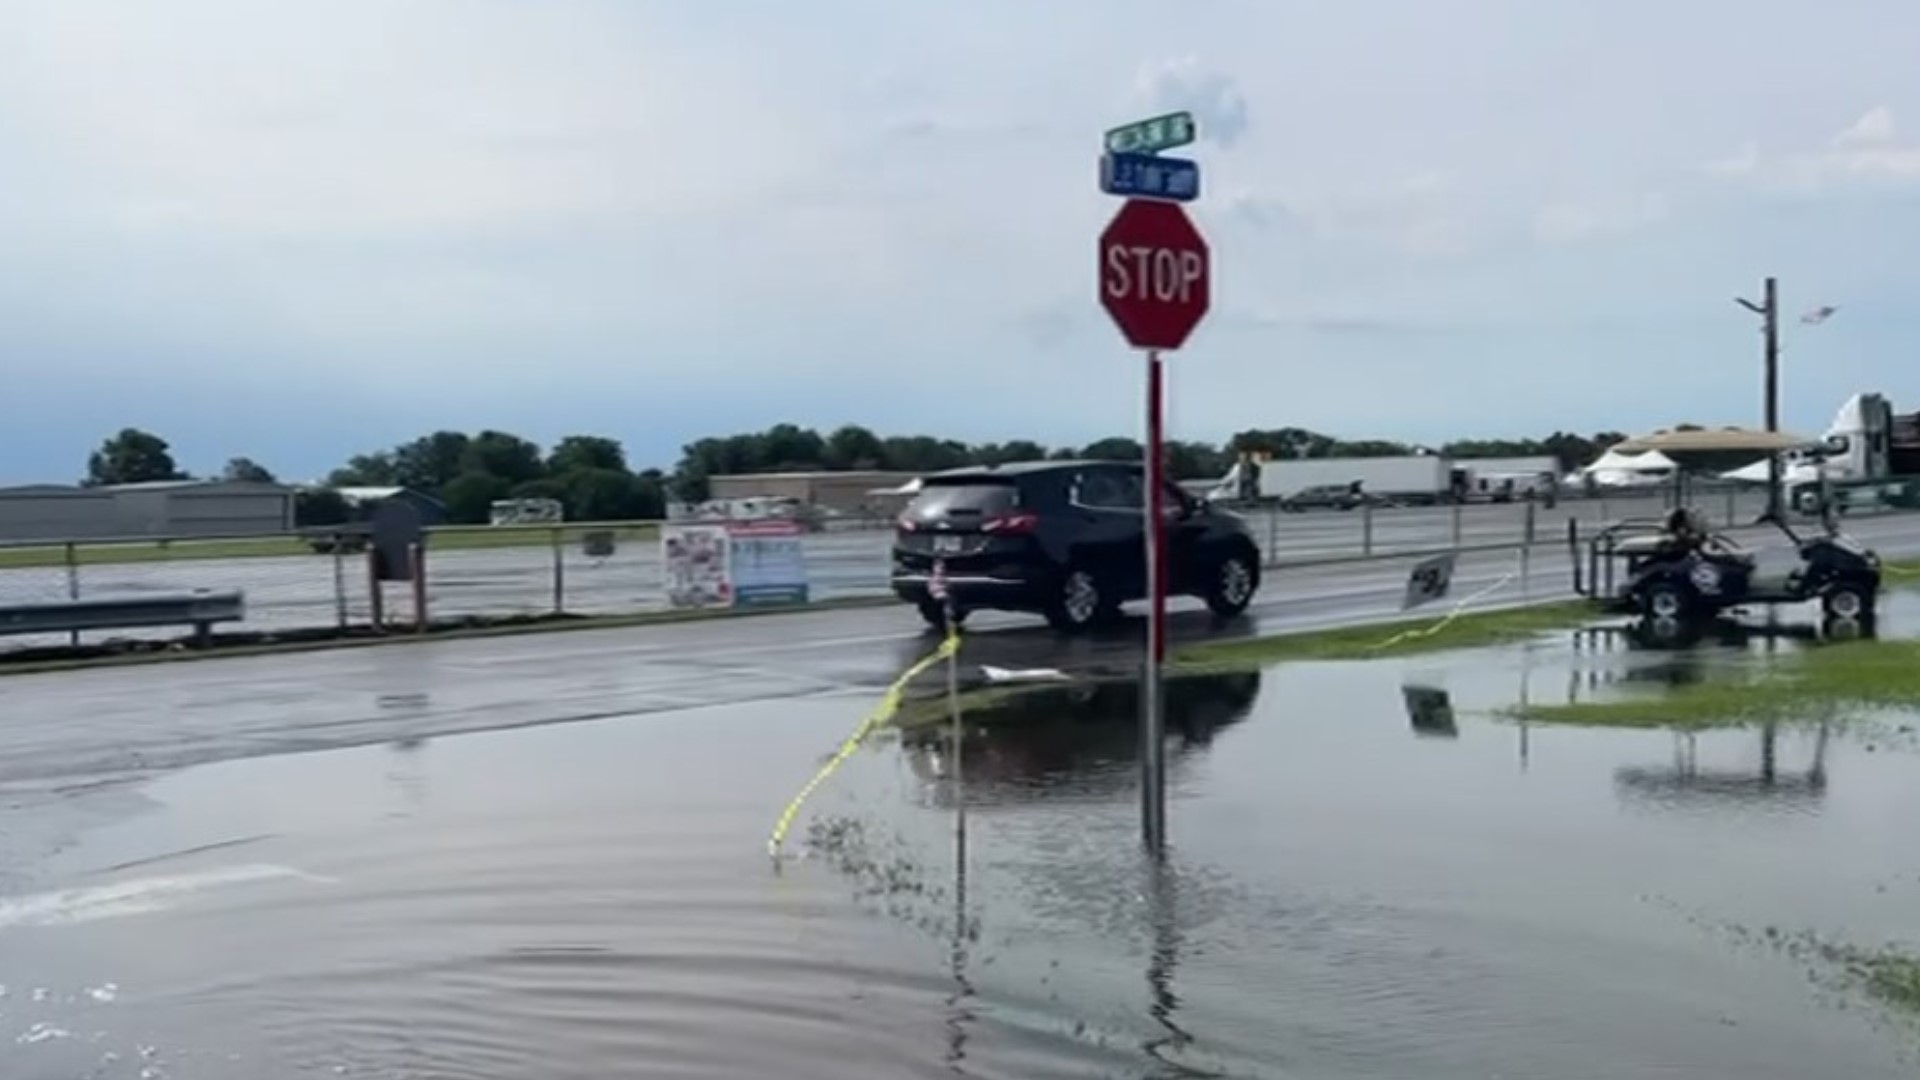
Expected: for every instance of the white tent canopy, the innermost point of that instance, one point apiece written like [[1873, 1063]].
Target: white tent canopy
[[1615, 469]]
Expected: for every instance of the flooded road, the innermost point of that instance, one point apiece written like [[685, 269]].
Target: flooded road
[[1372, 876]]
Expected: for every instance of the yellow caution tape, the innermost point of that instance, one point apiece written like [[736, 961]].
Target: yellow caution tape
[[1458, 610], [883, 712]]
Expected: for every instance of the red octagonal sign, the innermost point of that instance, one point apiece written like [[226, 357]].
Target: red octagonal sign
[[1155, 273]]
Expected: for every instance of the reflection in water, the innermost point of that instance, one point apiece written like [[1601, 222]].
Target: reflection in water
[[1687, 785], [1083, 738], [1430, 711], [1674, 653]]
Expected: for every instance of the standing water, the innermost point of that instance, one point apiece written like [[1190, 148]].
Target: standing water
[[1371, 877]]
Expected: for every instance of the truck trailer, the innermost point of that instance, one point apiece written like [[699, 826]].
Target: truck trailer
[[1414, 479]]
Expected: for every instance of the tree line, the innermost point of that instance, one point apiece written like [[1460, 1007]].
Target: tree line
[[591, 476]]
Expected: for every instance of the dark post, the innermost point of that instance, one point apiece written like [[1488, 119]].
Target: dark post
[[375, 590], [1773, 392], [1769, 312], [418, 556]]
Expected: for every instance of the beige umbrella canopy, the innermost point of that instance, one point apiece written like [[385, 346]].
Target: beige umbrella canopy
[[1716, 449]]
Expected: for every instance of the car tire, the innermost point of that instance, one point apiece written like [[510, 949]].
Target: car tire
[[1666, 600], [1235, 579], [1080, 601], [1848, 600]]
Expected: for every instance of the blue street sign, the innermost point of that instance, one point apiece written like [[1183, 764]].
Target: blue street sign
[[1149, 176]]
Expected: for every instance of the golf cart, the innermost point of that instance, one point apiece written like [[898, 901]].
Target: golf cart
[[1676, 567]]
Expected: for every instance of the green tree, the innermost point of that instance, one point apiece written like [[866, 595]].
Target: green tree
[[1115, 448], [602, 495], [789, 447], [366, 470], [132, 457], [469, 497], [320, 507], [577, 452], [430, 462], [854, 447], [244, 470], [509, 457]]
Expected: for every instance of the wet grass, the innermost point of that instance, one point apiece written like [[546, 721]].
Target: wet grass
[[1405, 637], [1811, 683]]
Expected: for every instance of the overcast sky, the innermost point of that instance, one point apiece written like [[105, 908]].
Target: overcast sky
[[296, 230]]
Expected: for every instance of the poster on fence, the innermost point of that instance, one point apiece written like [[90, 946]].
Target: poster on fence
[[693, 563], [768, 563]]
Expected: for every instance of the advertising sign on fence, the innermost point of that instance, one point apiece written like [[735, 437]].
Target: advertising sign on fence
[[693, 564], [768, 563]]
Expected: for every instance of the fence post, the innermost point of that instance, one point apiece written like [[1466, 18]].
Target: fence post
[[376, 598], [1532, 522], [417, 556], [340, 582], [1366, 529], [1273, 535], [1526, 571], [1459, 510], [559, 573], [73, 585]]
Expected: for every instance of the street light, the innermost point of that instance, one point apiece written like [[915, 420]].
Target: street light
[[1769, 312]]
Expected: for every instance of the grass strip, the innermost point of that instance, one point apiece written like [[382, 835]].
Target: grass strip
[[1402, 637], [1812, 682]]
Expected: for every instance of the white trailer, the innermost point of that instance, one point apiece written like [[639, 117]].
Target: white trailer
[[1413, 478]]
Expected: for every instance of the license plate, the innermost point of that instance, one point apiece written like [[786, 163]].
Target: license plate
[[949, 545]]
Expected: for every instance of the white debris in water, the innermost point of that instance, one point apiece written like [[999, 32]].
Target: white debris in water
[[41, 1032], [41, 993], [104, 994], [1000, 674], [137, 896]]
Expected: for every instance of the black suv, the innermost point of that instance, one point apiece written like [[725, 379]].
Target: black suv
[[1064, 539]]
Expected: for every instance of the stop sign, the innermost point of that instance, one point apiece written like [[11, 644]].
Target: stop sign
[[1154, 273]]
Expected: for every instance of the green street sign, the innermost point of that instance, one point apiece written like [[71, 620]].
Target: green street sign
[[1152, 135]]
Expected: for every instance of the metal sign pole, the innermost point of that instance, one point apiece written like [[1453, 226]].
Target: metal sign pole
[[1153, 775]]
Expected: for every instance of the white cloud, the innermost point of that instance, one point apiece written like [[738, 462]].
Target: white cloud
[[1876, 127], [1869, 151]]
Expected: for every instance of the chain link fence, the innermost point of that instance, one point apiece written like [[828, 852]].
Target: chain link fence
[[306, 587]]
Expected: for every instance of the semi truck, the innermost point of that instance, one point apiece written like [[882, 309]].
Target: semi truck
[[1870, 454]]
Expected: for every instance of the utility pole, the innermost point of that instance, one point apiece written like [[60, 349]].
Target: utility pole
[[1769, 312]]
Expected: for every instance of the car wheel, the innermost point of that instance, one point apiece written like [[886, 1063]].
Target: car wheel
[[1665, 601], [1234, 581], [1847, 601], [1080, 603]]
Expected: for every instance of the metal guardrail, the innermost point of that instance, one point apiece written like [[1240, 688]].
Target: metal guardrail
[[198, 610]]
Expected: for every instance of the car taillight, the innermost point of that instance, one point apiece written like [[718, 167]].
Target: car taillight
[[1011, 524], [905, 524]]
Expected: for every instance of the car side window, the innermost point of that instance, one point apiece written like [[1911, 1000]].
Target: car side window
[[1107, 489]]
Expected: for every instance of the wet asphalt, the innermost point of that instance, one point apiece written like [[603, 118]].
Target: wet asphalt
[[56, 728], [318, 591]]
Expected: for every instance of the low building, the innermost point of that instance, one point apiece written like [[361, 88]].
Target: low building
[[56, 512], [184, 508], [841, 492], [173, 508]]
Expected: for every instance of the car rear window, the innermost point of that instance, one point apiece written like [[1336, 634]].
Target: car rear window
[[964, 497]]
